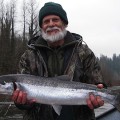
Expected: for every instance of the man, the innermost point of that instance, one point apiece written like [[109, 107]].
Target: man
[[56, 52]]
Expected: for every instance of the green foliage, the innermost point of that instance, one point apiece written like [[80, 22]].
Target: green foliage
[[110, 69], [13, 45]]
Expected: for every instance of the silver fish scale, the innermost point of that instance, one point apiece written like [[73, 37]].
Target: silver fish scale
[[57, 90], [55, 95]]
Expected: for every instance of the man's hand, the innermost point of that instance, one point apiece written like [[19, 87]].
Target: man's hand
[[20, 97], [95, 101]]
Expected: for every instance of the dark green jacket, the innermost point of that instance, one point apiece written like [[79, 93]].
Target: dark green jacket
[[75, 59]]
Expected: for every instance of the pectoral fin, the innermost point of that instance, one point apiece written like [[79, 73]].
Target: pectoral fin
[[57, 108]]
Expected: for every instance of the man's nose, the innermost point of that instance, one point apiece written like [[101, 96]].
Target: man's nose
[[51, 22]]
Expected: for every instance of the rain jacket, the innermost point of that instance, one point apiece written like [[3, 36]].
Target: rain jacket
[[73, 58]]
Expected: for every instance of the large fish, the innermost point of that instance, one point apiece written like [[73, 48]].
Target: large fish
[[56, 91]]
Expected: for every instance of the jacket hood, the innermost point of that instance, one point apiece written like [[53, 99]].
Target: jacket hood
[[70, 38]]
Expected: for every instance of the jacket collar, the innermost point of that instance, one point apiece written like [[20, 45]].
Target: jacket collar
[[70, 39]]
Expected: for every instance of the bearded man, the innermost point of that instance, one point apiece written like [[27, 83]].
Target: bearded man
[[56, 52]]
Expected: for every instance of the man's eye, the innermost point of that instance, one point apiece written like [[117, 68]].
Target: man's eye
[[46, 21], [55, 20]]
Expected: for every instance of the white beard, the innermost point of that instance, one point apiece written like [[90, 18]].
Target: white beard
[[53, 38]]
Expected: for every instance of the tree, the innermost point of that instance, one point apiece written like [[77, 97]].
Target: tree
[[5, 47], [110, 69], [7, 38], [24, 19], [33, 22]]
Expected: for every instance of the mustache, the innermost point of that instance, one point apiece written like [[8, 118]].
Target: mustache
[[52, 28]]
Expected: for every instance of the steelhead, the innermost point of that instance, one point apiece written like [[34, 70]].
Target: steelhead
[[56, 90]]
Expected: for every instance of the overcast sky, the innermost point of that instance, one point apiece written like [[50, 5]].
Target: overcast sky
[[98, 21]]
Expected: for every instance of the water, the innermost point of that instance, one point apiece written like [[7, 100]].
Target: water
[[10, 112]]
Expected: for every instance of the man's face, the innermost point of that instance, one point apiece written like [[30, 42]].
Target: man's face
[[53, 28]]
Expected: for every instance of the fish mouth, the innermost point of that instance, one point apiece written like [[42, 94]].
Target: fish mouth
[[3, 90], [7, 88]]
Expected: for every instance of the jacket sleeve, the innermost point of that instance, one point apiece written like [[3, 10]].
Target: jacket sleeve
[[24, 63], [25, 68], [92, 70]]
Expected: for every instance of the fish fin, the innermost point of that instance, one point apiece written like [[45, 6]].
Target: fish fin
[[57, 108], [116, 91], [117, 102], [64, 77], [5, 82]]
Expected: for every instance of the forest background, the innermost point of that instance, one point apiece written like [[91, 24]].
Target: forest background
[[13, 42]]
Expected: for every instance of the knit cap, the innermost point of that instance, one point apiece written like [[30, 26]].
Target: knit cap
[[51, 8]]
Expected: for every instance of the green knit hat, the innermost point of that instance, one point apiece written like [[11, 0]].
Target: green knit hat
[[51, 8]]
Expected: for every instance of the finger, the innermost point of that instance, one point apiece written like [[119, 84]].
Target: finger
[[90, 105], [19, 99], [100, 86], [100, 101], [24, 98], [15, 95], [93, 100], [31, 101]]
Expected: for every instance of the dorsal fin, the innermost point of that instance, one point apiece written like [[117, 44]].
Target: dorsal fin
[[63, 77]]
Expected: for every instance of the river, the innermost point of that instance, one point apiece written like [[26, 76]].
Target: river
[[10, 112]]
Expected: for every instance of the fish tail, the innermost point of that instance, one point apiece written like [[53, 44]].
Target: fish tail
[[117, 102], [116, 91]]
